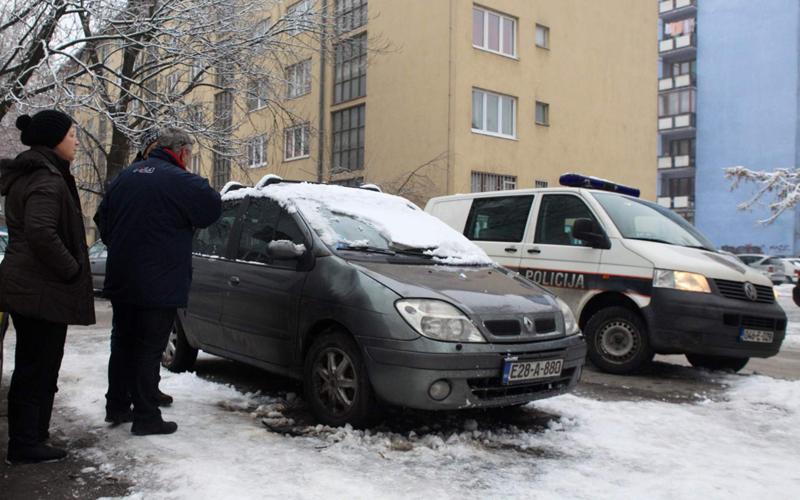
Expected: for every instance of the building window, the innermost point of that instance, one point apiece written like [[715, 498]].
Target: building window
[[351, 182], [298, 77], [195, 166], [224, 75], [540, 183], [542, 36], [679, 28], [494, 32], [483, 181], [494, 114], [681, 147], [681, 68], [676, 103], [350, 79], [257, 92], [348, 138], [350, 14], [256, 151], [542, 113], [298, 16], [296, 143], [677, 186], [222, 168]]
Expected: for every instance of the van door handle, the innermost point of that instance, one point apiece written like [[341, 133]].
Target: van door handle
[[234, 280], [534, 250], [511, 250]]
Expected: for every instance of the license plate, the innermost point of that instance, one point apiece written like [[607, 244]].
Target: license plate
[[520, 371], [748, 335]]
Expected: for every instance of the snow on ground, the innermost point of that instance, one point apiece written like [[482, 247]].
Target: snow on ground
[[744, 444]]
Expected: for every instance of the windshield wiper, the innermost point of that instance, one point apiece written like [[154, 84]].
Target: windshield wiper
[[656, 240], [415, 252], [365, 248]]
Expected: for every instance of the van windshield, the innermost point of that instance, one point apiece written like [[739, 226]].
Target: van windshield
[[642, 220]]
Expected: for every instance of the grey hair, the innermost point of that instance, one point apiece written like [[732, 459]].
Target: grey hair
[[174, 139]]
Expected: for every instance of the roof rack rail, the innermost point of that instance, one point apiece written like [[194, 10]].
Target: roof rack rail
[[231, 186]]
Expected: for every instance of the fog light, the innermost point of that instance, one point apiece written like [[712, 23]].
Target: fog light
[[439, 390]]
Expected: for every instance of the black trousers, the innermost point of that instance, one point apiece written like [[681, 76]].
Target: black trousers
[[40, 348], [138, 338]]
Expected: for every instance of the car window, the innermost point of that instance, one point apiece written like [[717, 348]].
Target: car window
[[258, 229], [557, 215], [501, 218], [213, 240], [772, 261], [96, 249], [748, 259], [3, 243]]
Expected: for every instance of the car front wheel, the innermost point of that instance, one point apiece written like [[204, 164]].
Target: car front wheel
[[336, 383], [617, 340], [178, 356], [717, 362]]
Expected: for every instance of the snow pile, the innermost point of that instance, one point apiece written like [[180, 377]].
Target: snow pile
[[395, 218]]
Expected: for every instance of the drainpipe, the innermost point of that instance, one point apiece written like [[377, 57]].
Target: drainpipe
[[322, 83]]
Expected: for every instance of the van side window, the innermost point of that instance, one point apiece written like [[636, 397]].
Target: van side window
[[213, 240], [501, 218], [258, 229], [557, 215]]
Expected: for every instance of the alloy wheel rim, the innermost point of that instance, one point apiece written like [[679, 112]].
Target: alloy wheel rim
[[618, 341], [335, 381]]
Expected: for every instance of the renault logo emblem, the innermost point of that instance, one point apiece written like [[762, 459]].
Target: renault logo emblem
[[750, 291], [528, 323]]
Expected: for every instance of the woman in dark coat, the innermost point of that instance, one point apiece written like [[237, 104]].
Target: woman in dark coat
[[45, 280]]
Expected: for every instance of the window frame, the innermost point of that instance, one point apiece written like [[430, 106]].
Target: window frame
[[257, 92], [295, 89], [360, 129], [469, 226], [356, 12], [233, 234], [235, 239], [258, 142], [540, 214], [303, 8], [501, 28], [484, 114], [501, 180], [546, 30], [305, 141], [545, 106], [358, 62]]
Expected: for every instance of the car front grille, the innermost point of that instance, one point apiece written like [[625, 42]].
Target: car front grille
[[513, 327], [754, 322], [492, 388], [735, 290]]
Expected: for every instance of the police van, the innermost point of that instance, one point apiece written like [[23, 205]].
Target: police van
[[639, 278]]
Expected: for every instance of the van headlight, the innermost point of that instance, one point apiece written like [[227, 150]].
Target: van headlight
[[570, 323], [438, 320], [681, 280]]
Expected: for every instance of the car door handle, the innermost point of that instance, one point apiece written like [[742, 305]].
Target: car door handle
[[511, 250], [534, 250], [234, 280]]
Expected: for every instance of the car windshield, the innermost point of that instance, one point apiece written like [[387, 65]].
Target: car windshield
[[642, 220]]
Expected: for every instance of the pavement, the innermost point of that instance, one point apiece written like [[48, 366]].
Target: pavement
[[669, 379]]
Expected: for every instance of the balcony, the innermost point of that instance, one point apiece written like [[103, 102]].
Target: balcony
[[683, 46], [676, 123], [676, 82], [671, 10], [676, 202], [682, 161]]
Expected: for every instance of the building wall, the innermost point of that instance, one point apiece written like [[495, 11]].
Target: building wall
[[747, 115]]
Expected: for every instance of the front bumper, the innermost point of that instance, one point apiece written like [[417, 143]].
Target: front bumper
[[699, 323], [401, 372]]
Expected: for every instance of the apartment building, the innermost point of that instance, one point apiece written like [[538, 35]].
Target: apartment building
[[426, 98], [729, 95]]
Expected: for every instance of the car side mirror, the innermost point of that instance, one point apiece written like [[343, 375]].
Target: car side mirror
[[285, 250], [587, 231]]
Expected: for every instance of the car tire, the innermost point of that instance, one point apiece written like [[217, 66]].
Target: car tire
[[617, 340], [344, 396], [717, 362], [179, 356]]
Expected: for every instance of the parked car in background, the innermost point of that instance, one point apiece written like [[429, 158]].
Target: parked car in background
[[771, 266], [791, 268], [3, 244], [365, 297], [97, 262]]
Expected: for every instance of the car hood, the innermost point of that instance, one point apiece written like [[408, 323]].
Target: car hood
[[710, 264], [484, 291]]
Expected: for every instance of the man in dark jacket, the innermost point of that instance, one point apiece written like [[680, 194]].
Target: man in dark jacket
[[147, 219], [44, 278]]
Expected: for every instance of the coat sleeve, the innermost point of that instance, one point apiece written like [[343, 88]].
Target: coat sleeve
[[101, 218], [200, 203], [42, 211]]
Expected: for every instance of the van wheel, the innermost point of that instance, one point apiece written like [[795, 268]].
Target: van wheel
[[717, 362], [617, 340], [178, 356], [336, 383]]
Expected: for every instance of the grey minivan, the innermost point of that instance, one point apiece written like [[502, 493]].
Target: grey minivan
[[368, 299]]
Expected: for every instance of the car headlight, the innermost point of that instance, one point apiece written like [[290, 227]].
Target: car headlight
[[570, 323], [438, 320], [681, 280]]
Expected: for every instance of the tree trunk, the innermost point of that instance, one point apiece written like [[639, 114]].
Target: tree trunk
[[117, 155]]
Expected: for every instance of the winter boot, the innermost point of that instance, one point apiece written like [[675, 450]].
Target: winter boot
[[156, 427], [163, 399], [34, 454]]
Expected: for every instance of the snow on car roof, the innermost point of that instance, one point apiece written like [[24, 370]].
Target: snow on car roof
[[396, 219]]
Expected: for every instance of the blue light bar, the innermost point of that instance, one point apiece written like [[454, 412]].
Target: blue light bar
[[583, 181]]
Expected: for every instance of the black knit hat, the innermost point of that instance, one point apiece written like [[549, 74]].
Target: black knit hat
[[45, 128]]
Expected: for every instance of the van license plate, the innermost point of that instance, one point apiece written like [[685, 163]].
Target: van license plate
[[519, 371], [748, 335]]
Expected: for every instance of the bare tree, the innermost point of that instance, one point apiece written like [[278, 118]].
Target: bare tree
[[781, 185], [417, 183]]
